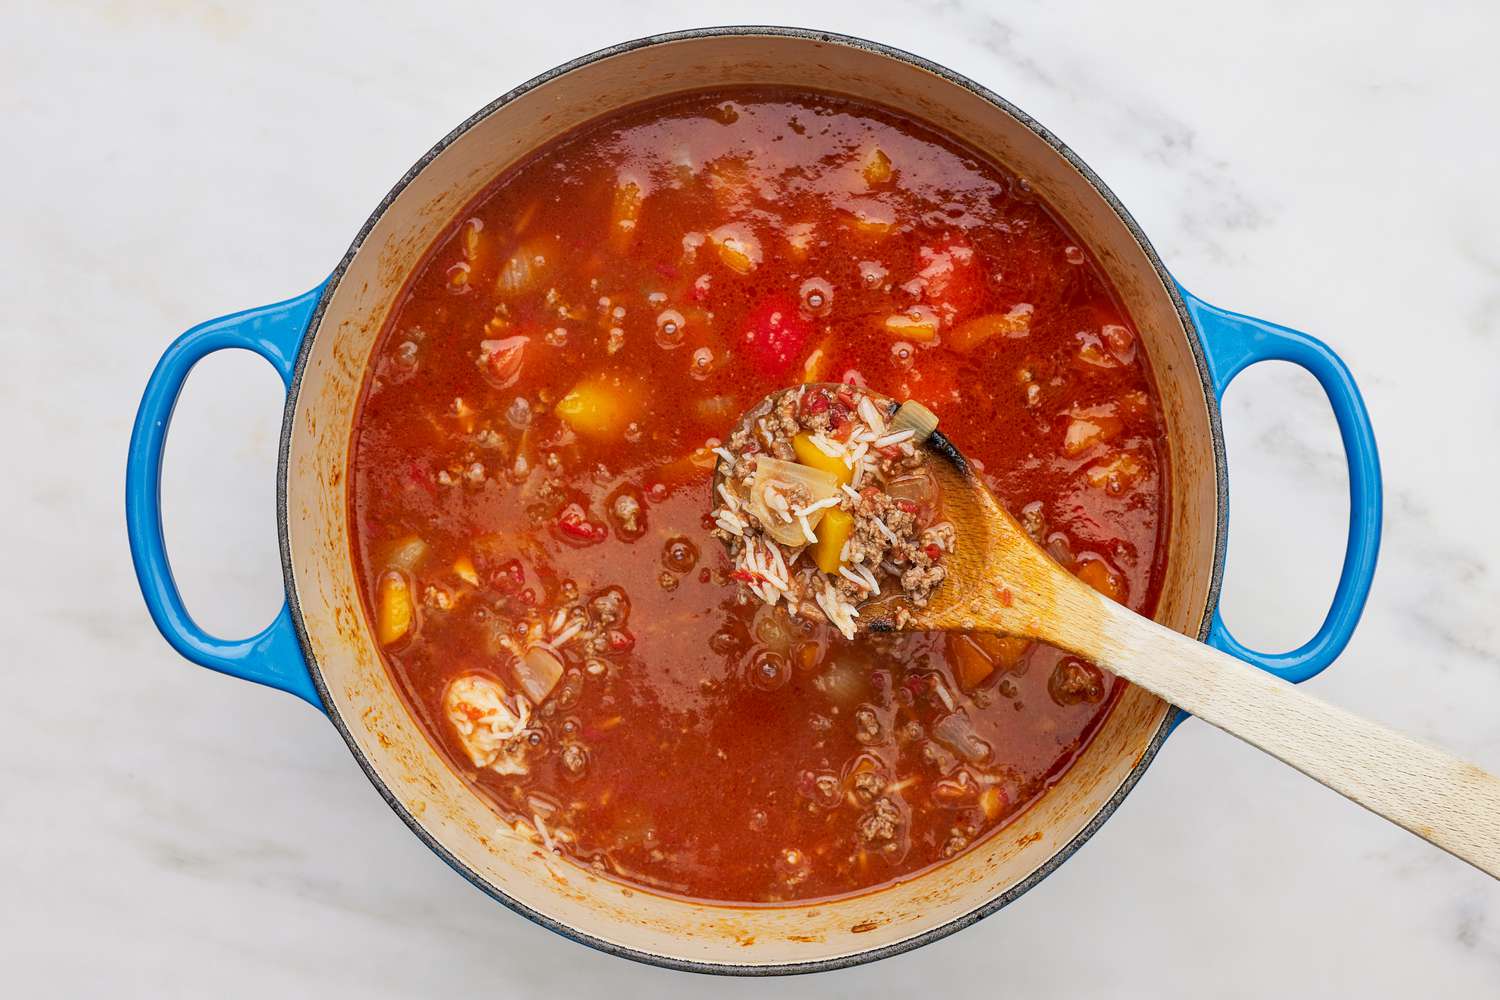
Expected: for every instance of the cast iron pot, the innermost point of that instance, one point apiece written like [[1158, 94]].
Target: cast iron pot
[[320, 646]]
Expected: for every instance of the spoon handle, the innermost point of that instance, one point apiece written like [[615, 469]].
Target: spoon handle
[[1440, 798]]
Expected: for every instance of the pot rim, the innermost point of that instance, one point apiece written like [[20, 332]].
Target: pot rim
[[1216, 570]]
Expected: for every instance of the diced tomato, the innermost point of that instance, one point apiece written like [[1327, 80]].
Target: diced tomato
[[840, 423], [510, 577], [814, 402], [501, 359], [776, 336], [574, 525], [951, 280], [933, 552], [420, 477]]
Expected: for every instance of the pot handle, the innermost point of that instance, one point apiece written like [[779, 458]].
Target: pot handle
[[1233, 343], [272, 656]]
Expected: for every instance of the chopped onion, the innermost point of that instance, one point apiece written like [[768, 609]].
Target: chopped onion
[[844, 682], [406, 553], [773, 473], [920, 488], [538, 671], [773, 629], [956, 732]]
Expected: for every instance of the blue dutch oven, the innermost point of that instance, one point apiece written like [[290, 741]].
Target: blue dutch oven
[[320, 646]]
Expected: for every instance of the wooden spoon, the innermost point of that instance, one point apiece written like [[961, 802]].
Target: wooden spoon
[[999, 580]]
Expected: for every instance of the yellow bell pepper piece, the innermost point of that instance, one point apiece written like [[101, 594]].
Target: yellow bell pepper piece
[[739, 250], [463, 568], [393, 608], [877, 167], [836, 528], [601, 406], [813, 457], [919, 323]]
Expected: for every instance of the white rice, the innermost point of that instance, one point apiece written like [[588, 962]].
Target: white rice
[[840, 613], [777, 565], [871, 414], [725, 454], [884, 530], [730, 500], [817, 506], [568, 633], [895, 437], [854, 578], [752, 558], [543, 832], [807, 531], [826, 445]]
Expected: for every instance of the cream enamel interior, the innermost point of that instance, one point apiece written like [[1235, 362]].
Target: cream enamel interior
[[356, 682]]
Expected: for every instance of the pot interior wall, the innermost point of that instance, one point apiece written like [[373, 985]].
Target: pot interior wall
[[376, 720]]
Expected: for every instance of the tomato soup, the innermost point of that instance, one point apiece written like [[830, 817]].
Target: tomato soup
[[530, 490]]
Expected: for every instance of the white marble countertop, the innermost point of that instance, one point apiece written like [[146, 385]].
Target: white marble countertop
[[165, 831]]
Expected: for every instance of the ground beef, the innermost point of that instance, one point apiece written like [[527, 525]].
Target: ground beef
[[1074, 681], [783, 425], [553, 494], [868, 785], [942, 535], [609, 608], [879, 824], [574, 758], [891, 466], [491, 440], [956, 842], [920, 581], [826, 790], [939, 757], [867, 726], [627, 512]]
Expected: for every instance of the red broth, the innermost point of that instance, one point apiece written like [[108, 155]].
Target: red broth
[[584, 333]]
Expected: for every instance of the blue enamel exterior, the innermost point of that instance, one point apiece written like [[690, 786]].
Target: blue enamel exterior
[[1232, 343], [271, 656]]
